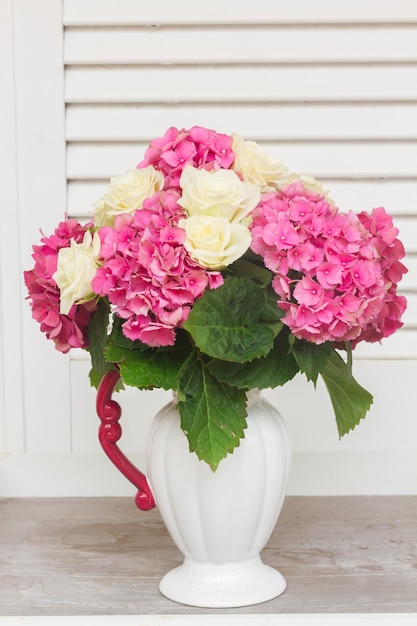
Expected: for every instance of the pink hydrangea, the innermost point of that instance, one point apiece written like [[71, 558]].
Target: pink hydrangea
[[198, 146], [66, 331], [390, 250], [147, 274], [335, 273]]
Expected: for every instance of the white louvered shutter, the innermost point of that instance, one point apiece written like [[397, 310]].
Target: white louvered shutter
[[331, 89]]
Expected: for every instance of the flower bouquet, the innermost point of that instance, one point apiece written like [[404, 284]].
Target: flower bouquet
[[210, 269]]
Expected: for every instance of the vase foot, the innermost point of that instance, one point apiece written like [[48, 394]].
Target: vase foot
[[222, 585]]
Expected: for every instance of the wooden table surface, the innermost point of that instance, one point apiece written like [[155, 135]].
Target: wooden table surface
[[102, 556]]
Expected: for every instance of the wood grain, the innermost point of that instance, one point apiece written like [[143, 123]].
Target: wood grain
[[101, 556]]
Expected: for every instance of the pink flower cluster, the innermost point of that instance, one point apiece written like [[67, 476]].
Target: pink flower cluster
[[147, 274], [66, 331], [390, 250], [335, 273], [198, 146]]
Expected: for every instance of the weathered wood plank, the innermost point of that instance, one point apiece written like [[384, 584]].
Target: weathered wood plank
[[101, 556]]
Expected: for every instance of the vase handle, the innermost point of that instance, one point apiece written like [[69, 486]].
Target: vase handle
[[110, 431]]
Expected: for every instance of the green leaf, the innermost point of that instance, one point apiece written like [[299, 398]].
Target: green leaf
[[243, 268], [149, 369], [144, 367], [118, 345], [272, 313], [226, 322], [350, 401], [212, 414], [274, 370], [311, 358], [97, 337]]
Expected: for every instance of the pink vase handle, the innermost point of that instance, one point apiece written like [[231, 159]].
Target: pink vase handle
[[110, 431]]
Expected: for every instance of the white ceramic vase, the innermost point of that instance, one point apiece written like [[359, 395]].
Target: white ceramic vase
[[221, 521]]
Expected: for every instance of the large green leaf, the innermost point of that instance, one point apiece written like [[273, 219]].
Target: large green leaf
[[212, 414], [277, 368], [226, 322], [149, 369], [311, 358], [350, 401]]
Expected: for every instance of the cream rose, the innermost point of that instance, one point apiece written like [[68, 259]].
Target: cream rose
[[255, 165], [76, 269], [126, 194], [214, 242], [217, 193]]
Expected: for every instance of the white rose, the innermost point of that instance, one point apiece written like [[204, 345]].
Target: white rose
[[214, 242], [256, 165], [76, 269], [126, 194], [218, 193]]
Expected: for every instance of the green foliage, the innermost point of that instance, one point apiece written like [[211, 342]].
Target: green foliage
[[227, 322], [97, 336], [246, 268], [311, 358], [233, 341], [144, 367], [350, 401], [212, 413], [278, 367]]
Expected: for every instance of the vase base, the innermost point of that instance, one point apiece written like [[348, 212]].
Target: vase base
[[222, 585]]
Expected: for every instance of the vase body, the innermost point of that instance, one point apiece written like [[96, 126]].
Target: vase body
[[221, 521]]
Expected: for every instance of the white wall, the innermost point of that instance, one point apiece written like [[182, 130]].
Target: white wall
[[331, 88]]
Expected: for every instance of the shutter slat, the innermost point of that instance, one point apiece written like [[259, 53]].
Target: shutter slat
[[236, 84], [408, 232], [277, 122], [251, 44], [130, 12], [401, 345], [410, 315], [380, 159], [409, 281]]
